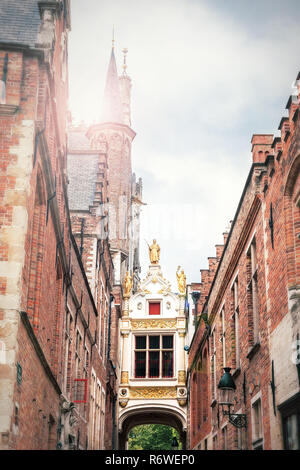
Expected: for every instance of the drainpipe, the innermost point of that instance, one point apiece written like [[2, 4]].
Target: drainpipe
[[114, 408], [81, 236], [111, 299]]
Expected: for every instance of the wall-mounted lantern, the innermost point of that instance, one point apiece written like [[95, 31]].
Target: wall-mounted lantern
[[227, 388]]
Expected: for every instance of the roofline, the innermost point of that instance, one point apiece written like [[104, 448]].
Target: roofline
[[109, 125], [253, 166], [21, 48]]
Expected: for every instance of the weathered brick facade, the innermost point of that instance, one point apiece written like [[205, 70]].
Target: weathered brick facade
[[58, 317], [248, 310]]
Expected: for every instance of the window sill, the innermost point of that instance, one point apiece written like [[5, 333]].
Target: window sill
[[253, 350], [236, 372], [8, 109]]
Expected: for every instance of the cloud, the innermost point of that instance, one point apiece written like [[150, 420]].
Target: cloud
[[206, 76]]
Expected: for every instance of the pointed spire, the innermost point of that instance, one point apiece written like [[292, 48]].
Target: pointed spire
[[112, 104], [124, 62], [113, 37]]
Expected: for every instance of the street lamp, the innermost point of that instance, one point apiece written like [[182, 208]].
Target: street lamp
[[227, 388], [174, 444]]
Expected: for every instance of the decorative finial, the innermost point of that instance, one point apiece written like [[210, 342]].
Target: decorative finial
[[124, 63], [113, 37]]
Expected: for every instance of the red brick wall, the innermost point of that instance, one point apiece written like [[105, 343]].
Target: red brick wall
[[273, 180], [52, 278]]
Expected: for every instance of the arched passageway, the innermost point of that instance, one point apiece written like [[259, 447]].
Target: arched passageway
[[151, 416]]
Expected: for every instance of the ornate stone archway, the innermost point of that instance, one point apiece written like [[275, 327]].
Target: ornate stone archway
[[151, 415]]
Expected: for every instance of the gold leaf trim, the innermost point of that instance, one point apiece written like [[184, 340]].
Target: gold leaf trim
[[153, 392], [148, 324]]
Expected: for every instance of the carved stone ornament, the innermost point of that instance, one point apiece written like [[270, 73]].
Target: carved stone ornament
[[123, 402], [69, 422], [124, 377], [149, 324], [163, 291], [182, 401], [181, 376], [153, 392]]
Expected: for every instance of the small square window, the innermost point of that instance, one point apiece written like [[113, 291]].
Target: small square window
[[154, 308]]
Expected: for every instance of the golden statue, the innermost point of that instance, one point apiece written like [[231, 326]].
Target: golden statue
[[154, 252], [127, 284], [181, 279]]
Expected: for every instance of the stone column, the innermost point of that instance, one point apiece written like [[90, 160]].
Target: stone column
[[181, 358], [125, 311], [181, 305], [125, 359]]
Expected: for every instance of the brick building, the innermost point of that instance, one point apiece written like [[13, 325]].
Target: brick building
[[61, 279], [248, 311]]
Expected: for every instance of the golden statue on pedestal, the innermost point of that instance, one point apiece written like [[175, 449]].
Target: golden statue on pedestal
[[127, 284], [154, 252], [181, 279]]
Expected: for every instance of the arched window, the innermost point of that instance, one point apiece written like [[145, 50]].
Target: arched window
[[37, 251]]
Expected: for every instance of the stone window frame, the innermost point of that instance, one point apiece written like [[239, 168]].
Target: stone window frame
[[154, 301], [215, 442], [147, 350], [224, 431], [92, 408], [287, 409], [257, 439], [68, 328]]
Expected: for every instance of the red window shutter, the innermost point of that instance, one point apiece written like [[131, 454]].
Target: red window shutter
[[154, 308]]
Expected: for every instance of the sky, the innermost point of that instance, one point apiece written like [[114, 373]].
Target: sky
[[206, 75]]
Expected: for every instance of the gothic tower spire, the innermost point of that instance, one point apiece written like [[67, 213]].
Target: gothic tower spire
[[112, 103], [113, 136]]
